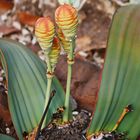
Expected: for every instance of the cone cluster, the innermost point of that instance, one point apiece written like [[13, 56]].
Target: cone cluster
[[67, 21]]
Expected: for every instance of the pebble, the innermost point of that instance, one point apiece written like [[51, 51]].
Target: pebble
[[4, 17], [34, 40], [17, 25], [75, 113], [25, 32], [83, 54], [8, 130]]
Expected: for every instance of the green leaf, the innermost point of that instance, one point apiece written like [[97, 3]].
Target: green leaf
[[120, 84], [27, 83], [5, 137]]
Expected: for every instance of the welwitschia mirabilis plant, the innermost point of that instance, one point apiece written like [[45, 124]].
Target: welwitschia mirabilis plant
[[67, 20], [27, 84], [120, 84]]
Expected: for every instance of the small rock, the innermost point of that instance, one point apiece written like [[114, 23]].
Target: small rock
[[75, 113], [17, 25], [83, 54], [34, 40], [25, 32], [8, 130], [4, 17]]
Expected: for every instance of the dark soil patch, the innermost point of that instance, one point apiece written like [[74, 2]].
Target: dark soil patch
[[75, 130]]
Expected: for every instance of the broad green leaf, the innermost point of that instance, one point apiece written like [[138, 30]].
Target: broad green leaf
[[5, 137], [27, 83], [120, 84]]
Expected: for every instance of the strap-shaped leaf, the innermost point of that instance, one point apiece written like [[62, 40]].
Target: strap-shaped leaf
[[120, 84], [5, 137], [27, 83]]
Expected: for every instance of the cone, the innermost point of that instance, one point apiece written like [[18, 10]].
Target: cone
[[45, 32], [66, 18], [54, 53]]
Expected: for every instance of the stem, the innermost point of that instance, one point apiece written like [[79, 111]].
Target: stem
[[67, 98], [43, 117], [48, 91], [49, 71], [49, 82], [69, 75]]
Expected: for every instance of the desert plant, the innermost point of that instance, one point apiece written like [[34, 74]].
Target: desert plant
[[119, 88], [29, 89]]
